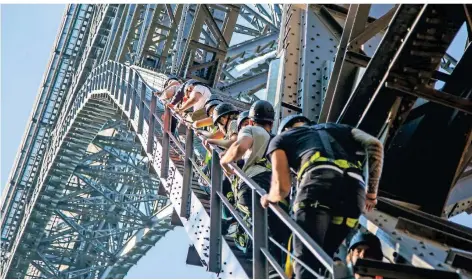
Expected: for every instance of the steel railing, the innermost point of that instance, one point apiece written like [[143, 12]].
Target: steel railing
[[135, 95]]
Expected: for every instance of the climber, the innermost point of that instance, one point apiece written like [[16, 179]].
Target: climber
[[330, 193], [224, 117], [251, 145], [363, 245], [171, 86], [197, 94], [209, 106]]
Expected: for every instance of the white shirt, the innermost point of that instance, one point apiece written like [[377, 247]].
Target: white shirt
[[205, 92]]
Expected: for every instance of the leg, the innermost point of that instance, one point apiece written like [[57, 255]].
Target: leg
[[348, 202], [315, 222]]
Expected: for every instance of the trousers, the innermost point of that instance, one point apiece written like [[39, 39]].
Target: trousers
[[324, 193]]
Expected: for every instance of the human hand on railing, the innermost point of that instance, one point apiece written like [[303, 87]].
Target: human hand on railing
[[222, 153], [265, 201], [227, 169], [370, 202]]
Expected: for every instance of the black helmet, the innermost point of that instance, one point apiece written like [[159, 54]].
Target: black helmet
[[169, 79], [375, 247], [211, 104], [262, 110], [242, 116], [213, 97], [290, 120], [222, 110]]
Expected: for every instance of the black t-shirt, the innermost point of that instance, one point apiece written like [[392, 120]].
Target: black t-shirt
[[302, 142]]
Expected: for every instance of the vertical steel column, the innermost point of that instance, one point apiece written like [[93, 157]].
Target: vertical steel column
[[214, 259], [105, 75], [289, 46], [102, 76], [141, 108], [134, 95], [123, 85], [318, 45], [342, 78], [116, 81], [129, 90], [112, 82], [109, 76], [188, 172], [166, 143], [259, 233], [152, 119], [94, 78], [99, 83]]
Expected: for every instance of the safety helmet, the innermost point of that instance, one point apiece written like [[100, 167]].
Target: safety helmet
[[262, 110], [169, 79], [221, 110], [242, 116], [288, 121], [375, 247], [211, 104], [212, 98]]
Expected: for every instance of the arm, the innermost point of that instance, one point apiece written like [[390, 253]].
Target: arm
[[237, 150], [190, 102], [375, 155], [210, 135], [281, 182], [203, 122], [222, 142]]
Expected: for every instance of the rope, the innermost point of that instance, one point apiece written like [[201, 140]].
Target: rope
[[297, 259]]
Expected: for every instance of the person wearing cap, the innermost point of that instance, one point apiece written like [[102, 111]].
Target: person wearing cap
[[251, 145], [363, 245], [330, 192]]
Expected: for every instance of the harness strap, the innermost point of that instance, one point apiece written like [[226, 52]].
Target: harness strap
[[350, 222], [341, 163], [288, 260], [325, 140], [337, 220]]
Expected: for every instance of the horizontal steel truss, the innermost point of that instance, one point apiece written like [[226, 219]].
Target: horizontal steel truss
[[108, 201]]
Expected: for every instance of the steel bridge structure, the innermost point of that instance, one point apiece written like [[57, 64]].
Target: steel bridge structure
[[99, 178]]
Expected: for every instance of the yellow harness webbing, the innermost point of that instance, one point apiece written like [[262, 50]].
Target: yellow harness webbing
[[341, 163]]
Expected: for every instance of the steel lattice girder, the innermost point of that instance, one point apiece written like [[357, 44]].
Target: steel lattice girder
[[89, 197], [47, 107]]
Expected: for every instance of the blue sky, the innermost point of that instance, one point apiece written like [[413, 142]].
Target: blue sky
[[28, 33]]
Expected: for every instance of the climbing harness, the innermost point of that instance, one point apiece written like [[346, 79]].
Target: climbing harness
[[351, 169]]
